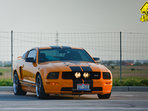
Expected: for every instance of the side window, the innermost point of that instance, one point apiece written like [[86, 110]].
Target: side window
[[32, 53], [24, 55]]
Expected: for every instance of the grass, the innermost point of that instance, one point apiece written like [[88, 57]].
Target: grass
[[5, 77], [130, 71], [1, 73], [5, 69], [5, 72], [131, 82], [6, 82], [136, 77]]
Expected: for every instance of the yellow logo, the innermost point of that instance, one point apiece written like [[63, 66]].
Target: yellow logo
[[144, 11]]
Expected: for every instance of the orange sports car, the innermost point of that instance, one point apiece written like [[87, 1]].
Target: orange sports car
[[60, 70]]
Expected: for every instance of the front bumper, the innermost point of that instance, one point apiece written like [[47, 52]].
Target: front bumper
[[58, 86]]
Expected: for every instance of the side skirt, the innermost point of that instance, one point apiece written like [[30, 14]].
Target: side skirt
[[28, 86]]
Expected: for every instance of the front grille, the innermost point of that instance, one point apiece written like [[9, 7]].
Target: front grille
[[95, 75], [68, 75], [71, 75], [89, 80]]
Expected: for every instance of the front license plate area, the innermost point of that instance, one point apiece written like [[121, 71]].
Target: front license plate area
[[83, 87]]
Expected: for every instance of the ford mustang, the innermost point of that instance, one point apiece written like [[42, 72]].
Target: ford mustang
[[60, 70]]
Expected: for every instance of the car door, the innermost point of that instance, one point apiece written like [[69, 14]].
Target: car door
[[29, 68]]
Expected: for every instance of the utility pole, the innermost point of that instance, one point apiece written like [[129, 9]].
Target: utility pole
[[11, 54], [120, 56], [57, 38]]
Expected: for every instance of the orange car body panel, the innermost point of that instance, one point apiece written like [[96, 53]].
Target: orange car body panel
[[27, 72]]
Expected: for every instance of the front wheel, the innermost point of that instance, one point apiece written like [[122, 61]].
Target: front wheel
[[105, 96], [39, 88], [17, 86]]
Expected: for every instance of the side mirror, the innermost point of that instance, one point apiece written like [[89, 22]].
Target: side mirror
[[30, 59], [19, 57], [97, 59]]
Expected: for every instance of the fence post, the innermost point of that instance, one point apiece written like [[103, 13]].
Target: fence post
[[120, 56], [11, 54]]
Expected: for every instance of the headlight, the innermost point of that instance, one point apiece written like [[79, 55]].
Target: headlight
[[77, 74], [86, 75], [53, 75]]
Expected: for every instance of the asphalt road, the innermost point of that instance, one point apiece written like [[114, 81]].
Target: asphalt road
[[123, 101]]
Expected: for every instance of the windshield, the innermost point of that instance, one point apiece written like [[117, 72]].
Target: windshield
[[64, 55]]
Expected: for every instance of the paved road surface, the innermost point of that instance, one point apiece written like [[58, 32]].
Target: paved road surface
[[119, 101]]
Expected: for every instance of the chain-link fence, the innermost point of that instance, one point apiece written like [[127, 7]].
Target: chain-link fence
[[5, 55], [110, 47], [135, 55]]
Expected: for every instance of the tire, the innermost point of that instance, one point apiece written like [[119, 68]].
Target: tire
[[39, 88], [17, 86], [105, 96]]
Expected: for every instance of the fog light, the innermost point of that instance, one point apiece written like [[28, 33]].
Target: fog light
[[86, 75], [52, 83], [77, 74], [108, 82]]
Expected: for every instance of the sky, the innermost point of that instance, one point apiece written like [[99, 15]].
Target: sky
[[87, 19], [72, 16]]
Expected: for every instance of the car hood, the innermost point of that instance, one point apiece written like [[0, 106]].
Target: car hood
[[60, 66]]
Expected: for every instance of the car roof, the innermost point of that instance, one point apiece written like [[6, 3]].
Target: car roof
[[59, 47]]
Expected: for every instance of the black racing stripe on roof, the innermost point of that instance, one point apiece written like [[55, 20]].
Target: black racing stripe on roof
[[55, 47], [60, 47], [66, 47], [75, 68], [86, 68]]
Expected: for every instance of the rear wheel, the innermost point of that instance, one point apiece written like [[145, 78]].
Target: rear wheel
[[105, 96], [39, 88], [17, 86]]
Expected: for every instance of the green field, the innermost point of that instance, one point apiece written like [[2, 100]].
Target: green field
[[135, 72], [6, 73]]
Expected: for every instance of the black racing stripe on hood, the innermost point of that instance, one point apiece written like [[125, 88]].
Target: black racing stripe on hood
[[88, 81], [86, 68], [75, 68]]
